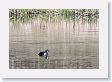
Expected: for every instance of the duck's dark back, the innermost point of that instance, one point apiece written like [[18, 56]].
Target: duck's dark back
[[41, 54]]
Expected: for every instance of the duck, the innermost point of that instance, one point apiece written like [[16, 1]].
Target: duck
[[44, 54]]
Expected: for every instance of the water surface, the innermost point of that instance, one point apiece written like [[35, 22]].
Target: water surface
[[72, 45]]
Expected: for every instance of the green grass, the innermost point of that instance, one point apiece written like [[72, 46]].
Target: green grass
[[24, 15]]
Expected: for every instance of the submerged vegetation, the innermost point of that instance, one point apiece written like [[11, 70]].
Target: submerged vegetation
[[22, 15]]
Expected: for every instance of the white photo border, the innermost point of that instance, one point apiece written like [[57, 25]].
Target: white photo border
[[102, 72]]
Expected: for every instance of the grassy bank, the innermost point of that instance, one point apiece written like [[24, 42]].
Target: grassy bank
[[23, 15]]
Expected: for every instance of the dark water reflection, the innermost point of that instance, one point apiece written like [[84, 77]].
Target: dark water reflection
[[72, 45]]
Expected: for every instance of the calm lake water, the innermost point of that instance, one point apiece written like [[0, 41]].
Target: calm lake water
[[72, 45]]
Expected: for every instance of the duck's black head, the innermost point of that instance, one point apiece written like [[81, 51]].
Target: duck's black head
[[46, 50]]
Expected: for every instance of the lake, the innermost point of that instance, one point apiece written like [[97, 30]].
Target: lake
[[72, 45]]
